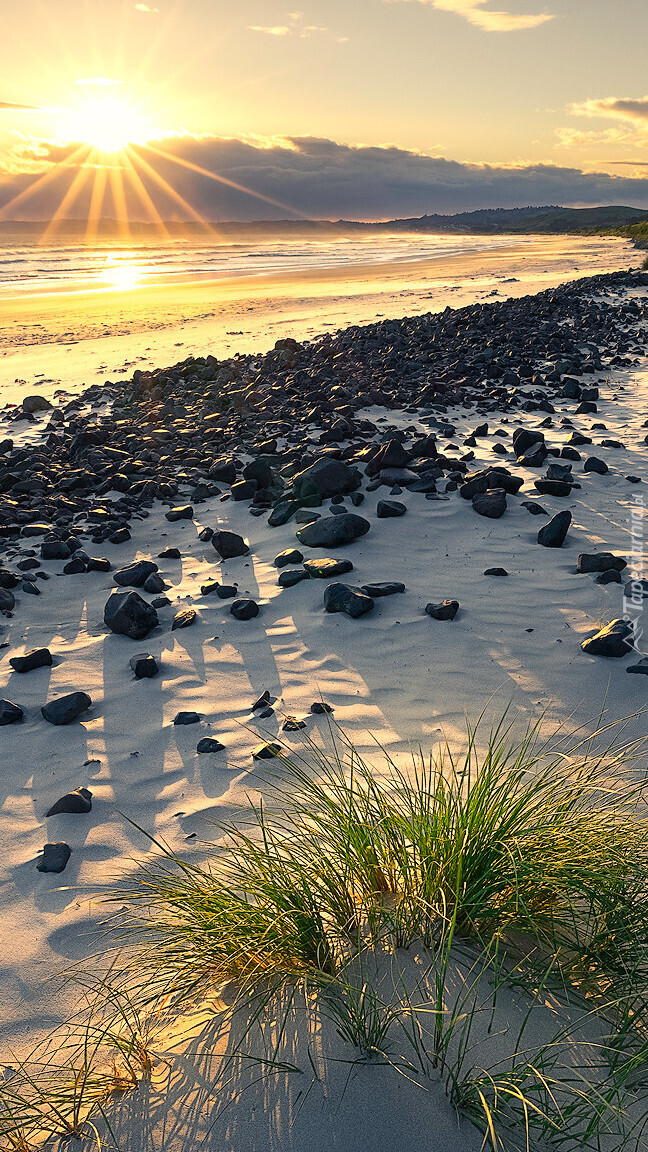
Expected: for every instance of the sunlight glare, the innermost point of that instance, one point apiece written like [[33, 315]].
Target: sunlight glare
[[106, 123]]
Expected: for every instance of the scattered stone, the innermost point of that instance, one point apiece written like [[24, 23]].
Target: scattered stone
[[636, 589], [128, 615], [491, 504], [594, 464], [319, 708], [640, 669], [553, 534], [288, 556], [291, 576], [267, 752], [386, 509], [495, 572], [184, 619], [229, 545], [154, 583], [79, 801], [534, 508], [134, 575], [209, 744], [553, 487], [614, 640], [66, 709], [610, 576], [170, 554], [333, 531], [345, 598], [182, 718], [10, 713], [599, 562], [37, 658], [264, 699], [326, 567], [144, 665], [7, 600], [55, 857], [186, 512], [292, 724], [383, 588], [326, 477], [446, 610], [244, 609]]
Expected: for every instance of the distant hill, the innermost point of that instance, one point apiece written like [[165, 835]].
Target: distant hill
[[615, 219]]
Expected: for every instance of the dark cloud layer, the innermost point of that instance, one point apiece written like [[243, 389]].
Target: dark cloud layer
[[315, 177]]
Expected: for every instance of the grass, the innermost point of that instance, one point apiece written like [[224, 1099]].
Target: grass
[[526, 855]]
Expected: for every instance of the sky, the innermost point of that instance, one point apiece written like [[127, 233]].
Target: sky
[[362, 109]]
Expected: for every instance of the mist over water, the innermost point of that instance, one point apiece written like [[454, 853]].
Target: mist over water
[[33, 268]]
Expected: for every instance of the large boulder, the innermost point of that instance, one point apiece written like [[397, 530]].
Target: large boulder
[[333, 531], [128, 615], [326, 477]]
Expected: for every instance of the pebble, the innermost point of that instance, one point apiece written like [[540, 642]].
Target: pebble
[[320, 708], [446, 610], [182, 718], [209, 744], [244, 609], [144, 665], [10, 713], [613, 640], [37, 658], [184, 619], [495, 572], [345, 598], [66, 709], [55, 857], [127, 614], [79, 801], [267, 752]]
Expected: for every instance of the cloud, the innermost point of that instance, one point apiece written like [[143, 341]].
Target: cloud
[[319, 178], [273, 30], [488, 21], [617, 108], [97, 82], [294, 27], [19, 107], [146, 8]]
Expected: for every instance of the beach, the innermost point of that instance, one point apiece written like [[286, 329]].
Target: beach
[[396, 674]]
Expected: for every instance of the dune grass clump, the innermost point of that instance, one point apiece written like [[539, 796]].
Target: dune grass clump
[[399, 904]]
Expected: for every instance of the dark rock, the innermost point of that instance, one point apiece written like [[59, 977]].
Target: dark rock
[[636, 590], [184, 619], [37, 658], [292, 576], [66, 709], [264, 699], [640, 669], [288, 556], [326, 477], [244, 489], [144, 665], [209, 744], [491, 504], [333, 531], [54, 550], [610, 576], [134, 575], [244, 609], [7, 600], [292, 724], [524, 438], [593, 464], [185, 512], [267, 752], [327, 567], [55, 857], [10, 713], [495, 572], [36, 403], [319, 708], [154, 583], [99, 564], [599, 562], [345, 598], [385, 509], [79, 801], [383, 588], [553, 534], [170, 554], [128, 615], [8, 579], [534, 508], [182, 718], [553, 487], [229, 545], [446, 610], [614, 640]]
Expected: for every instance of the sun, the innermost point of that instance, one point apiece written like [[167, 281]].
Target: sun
[[106, 123]]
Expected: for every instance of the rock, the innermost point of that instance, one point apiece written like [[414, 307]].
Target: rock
[[55, 857], [170, 554], [144, 665], [599, 562], [288, 556], [610, 576], [121, 536], [534, 508], [78, 801], [491, 504], [54, 550], [74, 566], [291, 576], [292, 724], [326, 477], [326, 567], [244, 609], [37, 658], [134, 575], [636, 590], [345, 598], [383, 588], [593, 464], [385, 509], [209, 744], [553, 487], [640, 669], [333, 531], [184, 619], [614, 640], [495, 572], [182, 718], [66, 709], [244, 489], [524, 438], [446, 610], [154, 583], [267, 752], [36, 403], [553, 534], [264, 699], [99, 564], [229, 545], [10, 713], [319, 708], [186, 512], [7, 600], [8, 579], [128, 615], [160, 602]]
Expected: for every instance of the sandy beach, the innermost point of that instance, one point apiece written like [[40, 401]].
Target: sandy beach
[[66, 339], [395, 676]]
